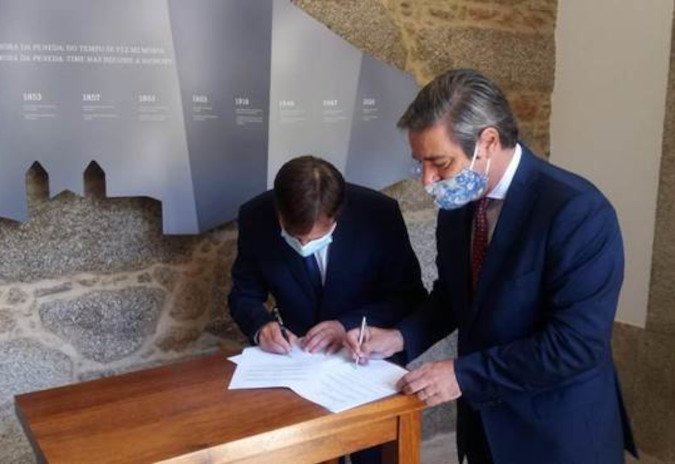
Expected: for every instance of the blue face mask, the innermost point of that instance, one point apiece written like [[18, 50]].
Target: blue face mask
[[465, 186], [311, 247]]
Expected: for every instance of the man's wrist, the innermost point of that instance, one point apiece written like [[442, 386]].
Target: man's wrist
[[400, 341], [342, 326]]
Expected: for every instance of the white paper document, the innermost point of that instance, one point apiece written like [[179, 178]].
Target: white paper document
[[331, 381]]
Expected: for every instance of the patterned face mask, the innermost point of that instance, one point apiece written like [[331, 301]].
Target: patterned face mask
[[465, 186]]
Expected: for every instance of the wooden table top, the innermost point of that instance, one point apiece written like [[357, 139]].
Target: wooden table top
[[170, 411]]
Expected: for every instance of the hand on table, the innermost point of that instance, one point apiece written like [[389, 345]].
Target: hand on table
[[433, 382]]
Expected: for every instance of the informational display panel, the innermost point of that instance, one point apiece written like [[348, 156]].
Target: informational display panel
[[195, 103]]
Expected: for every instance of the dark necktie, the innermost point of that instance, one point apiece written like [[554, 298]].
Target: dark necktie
[[314, 274], [480, 239]]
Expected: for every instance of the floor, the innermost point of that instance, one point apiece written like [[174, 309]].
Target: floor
[[440, 449]]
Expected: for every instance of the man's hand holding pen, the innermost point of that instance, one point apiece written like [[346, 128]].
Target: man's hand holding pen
[[376, 344], [433, 382], [275, 338]]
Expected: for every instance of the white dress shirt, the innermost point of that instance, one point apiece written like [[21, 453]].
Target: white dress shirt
[[322, 260], [498, 193]]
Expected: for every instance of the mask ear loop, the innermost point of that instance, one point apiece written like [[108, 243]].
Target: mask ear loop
[[330, 232], [475, 150], [475, 155], [473, 160]]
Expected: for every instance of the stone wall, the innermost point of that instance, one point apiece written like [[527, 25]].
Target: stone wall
[[511, 41], [90, 287]]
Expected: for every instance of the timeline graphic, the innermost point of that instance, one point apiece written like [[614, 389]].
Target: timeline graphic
[[196, 103]]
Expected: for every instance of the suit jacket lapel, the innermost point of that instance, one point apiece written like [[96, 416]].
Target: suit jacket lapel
[[515, 210]]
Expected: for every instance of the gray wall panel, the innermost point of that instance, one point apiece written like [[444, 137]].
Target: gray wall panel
[[379, 154], [223, 51], [314, 80], [195, 103], [91, 110]]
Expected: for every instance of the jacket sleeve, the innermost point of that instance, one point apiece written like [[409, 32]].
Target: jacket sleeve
[[435, 318], [400, 289], [581, 281], [249, 291]]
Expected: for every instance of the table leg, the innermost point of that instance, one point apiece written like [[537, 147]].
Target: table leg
[[406, 449]]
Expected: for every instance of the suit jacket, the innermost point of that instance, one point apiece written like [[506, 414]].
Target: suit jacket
[[372, 270], [534, 337]]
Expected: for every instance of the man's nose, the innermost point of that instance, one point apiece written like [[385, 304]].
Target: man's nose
[[429, 175]]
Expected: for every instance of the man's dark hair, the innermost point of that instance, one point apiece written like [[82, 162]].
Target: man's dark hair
[[305, 189], [467, 102]]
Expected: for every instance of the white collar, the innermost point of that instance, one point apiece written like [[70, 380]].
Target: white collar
[[499, 192]]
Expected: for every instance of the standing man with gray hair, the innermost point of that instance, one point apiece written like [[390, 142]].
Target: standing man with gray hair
[[530, 264]]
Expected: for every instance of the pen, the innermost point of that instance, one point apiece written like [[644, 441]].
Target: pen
[[284, 333], [362, 332]]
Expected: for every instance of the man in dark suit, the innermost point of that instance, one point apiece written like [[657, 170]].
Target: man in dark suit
[[329, 253], [530, 264]]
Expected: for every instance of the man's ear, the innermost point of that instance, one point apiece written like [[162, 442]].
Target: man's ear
[[489, 141]]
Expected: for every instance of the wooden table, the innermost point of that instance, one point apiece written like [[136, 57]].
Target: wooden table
[[183, 413]]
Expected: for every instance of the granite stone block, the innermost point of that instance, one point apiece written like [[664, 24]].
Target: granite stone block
[[366, 24], [410, 195], [105, 325], [14, 446], [71, 234], [510, 15], [26, 365], [191, 300], [225, 328], [514, 61], [422, 232], [178, 338]]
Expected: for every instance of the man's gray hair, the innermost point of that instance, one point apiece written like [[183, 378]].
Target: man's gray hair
[[468, 103]]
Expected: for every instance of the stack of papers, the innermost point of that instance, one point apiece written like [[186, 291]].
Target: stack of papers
[[332, 381]]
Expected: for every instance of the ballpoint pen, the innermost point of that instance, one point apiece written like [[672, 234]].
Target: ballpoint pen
[[284, 332], [362, 332]]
